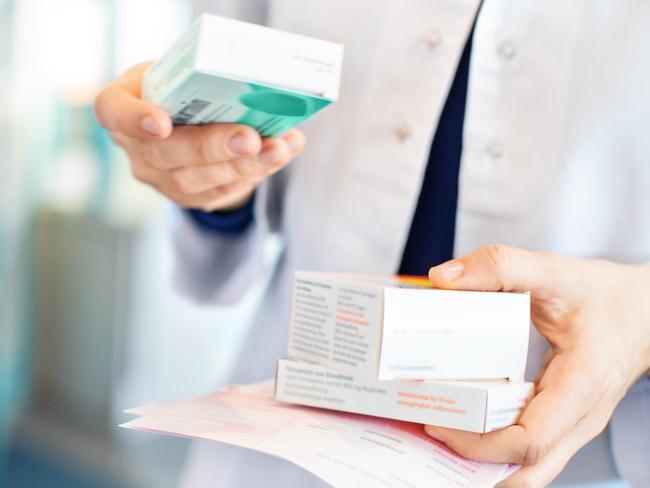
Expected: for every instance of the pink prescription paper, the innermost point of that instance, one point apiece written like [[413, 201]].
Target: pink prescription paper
[[345, 450]]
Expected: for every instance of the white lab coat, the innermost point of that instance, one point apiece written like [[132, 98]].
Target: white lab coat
[[556, 157]]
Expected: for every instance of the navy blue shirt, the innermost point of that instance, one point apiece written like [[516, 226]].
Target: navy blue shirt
[[233, 223], [431, 236]]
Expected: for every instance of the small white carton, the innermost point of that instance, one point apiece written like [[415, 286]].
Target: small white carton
[[389, 328], [227, 71], [480, 406]]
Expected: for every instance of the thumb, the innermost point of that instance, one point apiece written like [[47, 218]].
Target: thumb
[[119, 108], [496, 268]]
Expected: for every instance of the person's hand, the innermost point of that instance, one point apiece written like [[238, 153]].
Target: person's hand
[[211, 167], [596, 317]]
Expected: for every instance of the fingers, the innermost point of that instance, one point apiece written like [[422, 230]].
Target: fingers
[[198, 145], [194, 180], [561, 402], [548, 468], [218, 198], [275, 154], [497, 267], [216, 185], [296, 140], [118, 108], [205, 145], [191, 180], [510, 445]]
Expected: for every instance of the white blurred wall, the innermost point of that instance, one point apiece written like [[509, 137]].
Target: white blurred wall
[[87, 307]]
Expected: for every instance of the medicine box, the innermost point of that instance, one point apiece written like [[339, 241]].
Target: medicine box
[[466, 405], [388, 328], [225, 70]]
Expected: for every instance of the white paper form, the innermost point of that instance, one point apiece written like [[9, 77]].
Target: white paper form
[[345, 450]]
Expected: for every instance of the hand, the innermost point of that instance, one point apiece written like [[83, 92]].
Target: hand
[[211, 167], [596, 317]]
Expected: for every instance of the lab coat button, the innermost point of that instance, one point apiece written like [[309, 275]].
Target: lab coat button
[[507, 50], [495, 150], [402, 131], [432, 39]]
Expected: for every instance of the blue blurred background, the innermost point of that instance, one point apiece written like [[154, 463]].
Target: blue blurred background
[[89, 322]]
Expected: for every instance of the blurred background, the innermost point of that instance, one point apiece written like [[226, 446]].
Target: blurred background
[[89, 321]]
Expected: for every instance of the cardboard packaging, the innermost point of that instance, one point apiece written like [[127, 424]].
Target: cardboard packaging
[[390, 328], [224, 70], [466, 405]]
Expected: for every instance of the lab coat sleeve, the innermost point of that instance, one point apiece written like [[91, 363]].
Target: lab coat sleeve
[[217, 268]]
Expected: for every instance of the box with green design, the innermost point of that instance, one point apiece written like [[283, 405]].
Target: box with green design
[[225, 70]]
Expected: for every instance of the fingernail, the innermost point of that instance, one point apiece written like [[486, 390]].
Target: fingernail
[[150, 126], [294, 142], [240, 144], [450, 270], [268, 157]]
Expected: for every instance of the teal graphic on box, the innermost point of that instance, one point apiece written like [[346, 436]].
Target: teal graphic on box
[[228, 71]]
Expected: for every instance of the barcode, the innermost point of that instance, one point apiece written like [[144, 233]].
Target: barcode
[[193, 108]]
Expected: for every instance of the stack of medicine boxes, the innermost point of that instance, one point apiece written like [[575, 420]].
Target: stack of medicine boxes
[[394, 347]]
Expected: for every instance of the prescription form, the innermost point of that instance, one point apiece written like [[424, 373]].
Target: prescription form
[[345, 450]]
